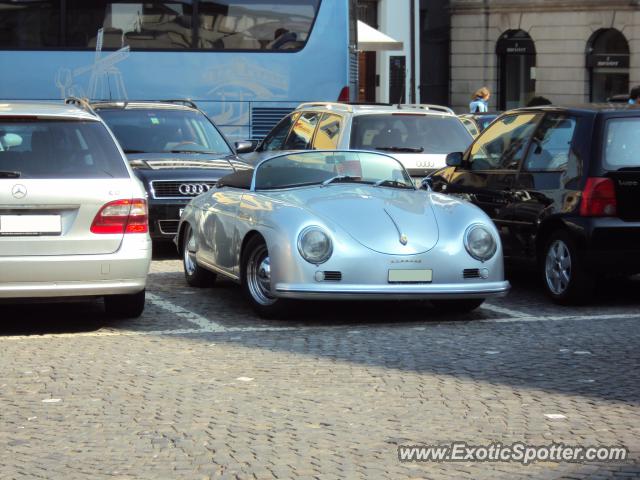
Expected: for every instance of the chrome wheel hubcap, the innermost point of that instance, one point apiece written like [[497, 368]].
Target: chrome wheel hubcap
[[558, 267], [259, 276], [189, 254]]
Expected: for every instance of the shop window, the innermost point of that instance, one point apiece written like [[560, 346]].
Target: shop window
[[29, 24], [517, 69], [608, 64]]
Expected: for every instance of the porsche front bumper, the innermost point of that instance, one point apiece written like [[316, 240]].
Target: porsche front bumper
[[338, 291]]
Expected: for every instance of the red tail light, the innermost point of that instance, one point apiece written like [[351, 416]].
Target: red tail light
[[122, 216], [599, 198], [344, 95]]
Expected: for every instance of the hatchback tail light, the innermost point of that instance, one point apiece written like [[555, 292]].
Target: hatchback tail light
[[599, 198], [344, 95], [122, 216]]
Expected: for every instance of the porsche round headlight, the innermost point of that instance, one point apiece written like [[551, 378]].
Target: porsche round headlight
[[479, 242], [315, 245]]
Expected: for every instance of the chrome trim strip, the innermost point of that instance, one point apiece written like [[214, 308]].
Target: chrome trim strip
[[216, 269]]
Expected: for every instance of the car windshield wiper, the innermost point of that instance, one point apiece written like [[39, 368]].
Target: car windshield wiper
[[401, 149], [9, 174], [127, 150], [392, 183], [341, 178], [205, 152], [629, 169]]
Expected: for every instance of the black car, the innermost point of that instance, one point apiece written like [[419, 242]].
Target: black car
[[175, 149], [563, 187]]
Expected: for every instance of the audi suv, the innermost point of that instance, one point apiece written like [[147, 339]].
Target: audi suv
[[175, 149], [73, 217], [419, 136]]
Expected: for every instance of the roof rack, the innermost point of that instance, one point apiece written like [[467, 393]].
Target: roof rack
[[345, 107], [125, 103], [428, 106], [83, 103]]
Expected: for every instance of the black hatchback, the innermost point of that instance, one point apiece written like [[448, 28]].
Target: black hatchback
[[175, 149], [562, 186]]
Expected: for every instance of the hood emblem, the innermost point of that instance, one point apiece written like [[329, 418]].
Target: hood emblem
[[403, 239], [19, 191]]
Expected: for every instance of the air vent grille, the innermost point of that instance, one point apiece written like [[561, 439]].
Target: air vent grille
[[168, 226], [332, 276], [264, 119], [471, 273]]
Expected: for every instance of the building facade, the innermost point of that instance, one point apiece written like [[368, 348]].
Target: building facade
[[394, 75], [569, 51]]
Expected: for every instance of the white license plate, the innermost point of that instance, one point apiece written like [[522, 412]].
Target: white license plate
[[410, 276], [180, 212], [30, 224]]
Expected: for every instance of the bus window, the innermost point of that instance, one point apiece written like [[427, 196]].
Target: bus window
[[328, 132], [157, 25], [302, 132], [255, 24], [29, 24]]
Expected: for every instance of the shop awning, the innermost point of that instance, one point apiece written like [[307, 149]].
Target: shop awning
[[372, 40]]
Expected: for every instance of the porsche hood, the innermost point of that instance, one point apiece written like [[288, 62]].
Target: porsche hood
[[386, 220]]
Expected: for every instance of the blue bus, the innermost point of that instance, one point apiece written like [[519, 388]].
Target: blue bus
[[246, 63]]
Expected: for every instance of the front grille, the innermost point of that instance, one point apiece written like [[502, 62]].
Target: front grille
[[332, 276], [471, 273], [264, 119], [171, 189], [168, 226]]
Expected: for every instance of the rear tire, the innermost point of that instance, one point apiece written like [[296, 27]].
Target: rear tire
[[256, 280], [563, 272], [124, 306], [195, 275], [457, 306]]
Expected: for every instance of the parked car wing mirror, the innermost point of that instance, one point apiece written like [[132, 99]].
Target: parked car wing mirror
[[454, 159], [426, 183], [246, 146]]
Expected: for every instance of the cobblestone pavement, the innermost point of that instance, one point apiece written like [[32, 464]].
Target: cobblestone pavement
[[198, 387]]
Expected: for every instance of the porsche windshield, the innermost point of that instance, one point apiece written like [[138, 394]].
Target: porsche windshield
[[326, 168]]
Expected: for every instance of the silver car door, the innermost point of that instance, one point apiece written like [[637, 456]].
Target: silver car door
[[218, 228]]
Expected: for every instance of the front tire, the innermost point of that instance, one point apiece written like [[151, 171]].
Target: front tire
[[256, 280], [195, 275], [124, 306], [564, 276], [457, 306]]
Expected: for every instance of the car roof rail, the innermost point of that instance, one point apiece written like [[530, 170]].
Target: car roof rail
[[184, 101], [428, 107], [345, 107], [83, 103], [125, 103]]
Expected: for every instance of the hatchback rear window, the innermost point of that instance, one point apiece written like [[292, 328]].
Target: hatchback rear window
[[414, 133], [622, 143], [58, 149]]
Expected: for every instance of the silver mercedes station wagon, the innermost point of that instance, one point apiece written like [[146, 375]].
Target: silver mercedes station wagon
[[73, 217]]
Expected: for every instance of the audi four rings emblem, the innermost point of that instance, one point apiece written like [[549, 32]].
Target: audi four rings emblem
[[193, 188]]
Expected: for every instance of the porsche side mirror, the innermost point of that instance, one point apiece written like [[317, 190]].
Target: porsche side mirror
[[454, 159], [246, 146]]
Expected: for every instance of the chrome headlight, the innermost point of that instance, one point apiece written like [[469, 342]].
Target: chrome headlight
[[479, 242], [314, 245]]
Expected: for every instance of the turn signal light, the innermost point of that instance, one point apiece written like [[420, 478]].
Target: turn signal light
[[122, 216], [599, 198]]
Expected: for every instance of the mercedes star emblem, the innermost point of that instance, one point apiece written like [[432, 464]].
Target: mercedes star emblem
[[403, 239], [19, 191]]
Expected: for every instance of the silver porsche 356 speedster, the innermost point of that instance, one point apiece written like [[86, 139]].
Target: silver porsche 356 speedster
[[339, 225]]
